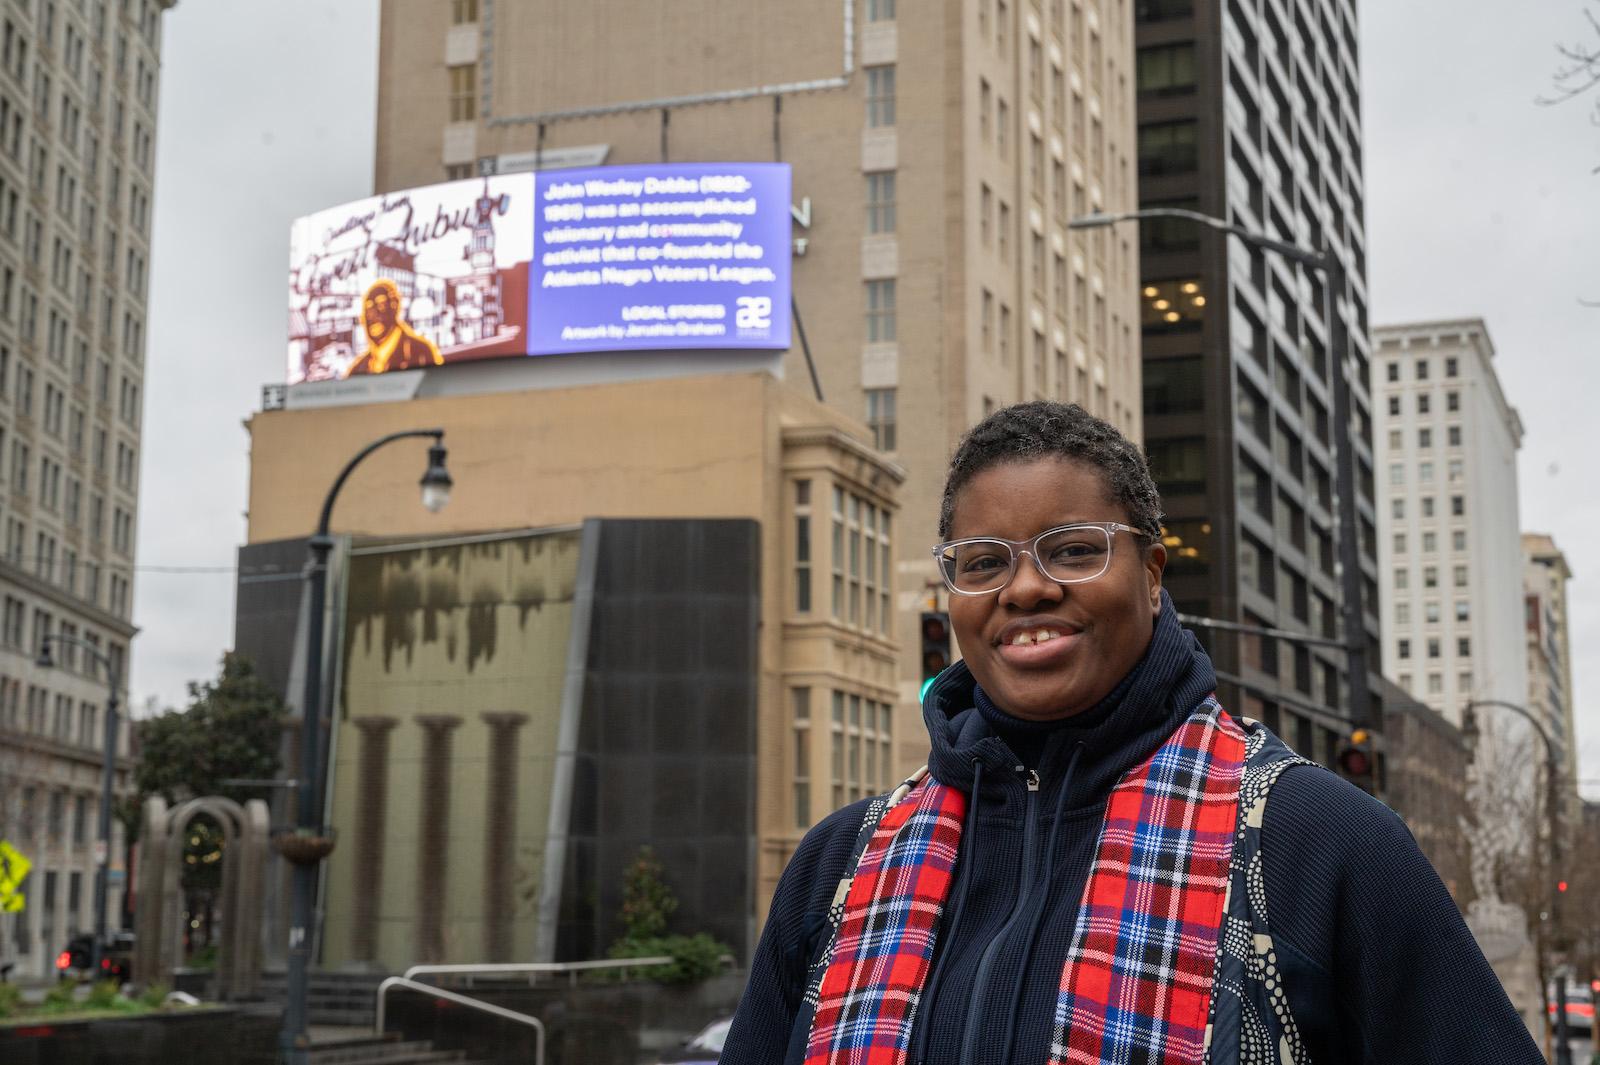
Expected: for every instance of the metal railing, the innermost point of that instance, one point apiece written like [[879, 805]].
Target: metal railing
[[465, 1000], [573, 969]]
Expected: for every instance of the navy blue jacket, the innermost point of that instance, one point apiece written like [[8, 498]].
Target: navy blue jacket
[[1376, 960]]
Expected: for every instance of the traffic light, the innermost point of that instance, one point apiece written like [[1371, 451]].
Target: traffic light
[[1561, 886], [1355, 759], [935, 646]]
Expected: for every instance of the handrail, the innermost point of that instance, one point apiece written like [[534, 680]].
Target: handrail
[[464, 1000], [533, 968]]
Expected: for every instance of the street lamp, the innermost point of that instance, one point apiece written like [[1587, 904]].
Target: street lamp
[[108, 770], [1470, 732], [1355, 638], [310, 842]]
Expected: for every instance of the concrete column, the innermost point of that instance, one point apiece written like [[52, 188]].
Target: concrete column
[[372, 784], [433, 834], [500, 835]]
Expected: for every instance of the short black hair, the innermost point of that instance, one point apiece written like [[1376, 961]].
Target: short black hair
[[1043, 429]]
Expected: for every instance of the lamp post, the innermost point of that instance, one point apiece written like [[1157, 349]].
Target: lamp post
[[108, 774], [1469, 731], [1355, 630], [311, 844]]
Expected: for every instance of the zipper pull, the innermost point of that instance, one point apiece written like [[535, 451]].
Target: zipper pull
[[1033, 780]]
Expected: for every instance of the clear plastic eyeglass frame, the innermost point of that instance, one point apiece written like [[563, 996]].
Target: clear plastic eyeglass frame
[[1075, 568]]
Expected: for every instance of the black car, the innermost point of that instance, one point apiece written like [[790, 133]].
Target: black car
[[116, 960], [703, 1049]]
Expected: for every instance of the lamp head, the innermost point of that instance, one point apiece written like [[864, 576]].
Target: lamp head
[[436, 482], [1469, 726], [1091, 221]]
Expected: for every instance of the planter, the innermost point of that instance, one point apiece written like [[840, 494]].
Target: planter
[[304, 848], [206, 1036]]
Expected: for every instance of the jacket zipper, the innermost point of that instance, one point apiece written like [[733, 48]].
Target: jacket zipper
[[972, 1026]]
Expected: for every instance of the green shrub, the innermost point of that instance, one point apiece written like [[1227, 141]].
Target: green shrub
[[61, 998], [155, 995], [694, 958], [103, 995], [10, 1000]]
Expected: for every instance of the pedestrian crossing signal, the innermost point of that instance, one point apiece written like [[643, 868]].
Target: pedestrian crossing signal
[[935, 645]]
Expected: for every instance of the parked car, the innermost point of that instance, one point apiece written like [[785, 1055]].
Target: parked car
[[116, 961], [703, 1049]]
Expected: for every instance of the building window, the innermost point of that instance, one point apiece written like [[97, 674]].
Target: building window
[[1394, 406], [837, 750], [1397, 508], [1168, 148], [880, 202], [1178, 465], [464, 92], [1458, 540], [1422, 369], [802, 547], [1452, 366], [880, 311], [463, 11], [1453, 436], [986, 321], [1402, 613], [1433, 647], [1459, 576], [1403, 649], [1399, 543], [1424, 437], [1458, 506], [1463, 646], [1435, 684], [458, 171], [1392, 370], [880, 417], [1174, 386], [1452, 401], [1172, 306], [1463, 610], [880, 10], [1430, 542], [1167, 70], [800, 700], [1430, 576], [1430, 612], [880, 96], [1456, 469], [1397, 473], [1423, 405], [1425, 472], [1427, 506]]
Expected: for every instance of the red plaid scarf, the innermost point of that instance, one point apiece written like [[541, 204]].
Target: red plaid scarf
[[1137, 981]]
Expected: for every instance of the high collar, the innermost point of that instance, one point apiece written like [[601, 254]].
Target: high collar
[[1172, 677]]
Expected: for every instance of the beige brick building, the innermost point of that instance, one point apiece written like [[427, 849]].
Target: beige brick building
[[938, 151]]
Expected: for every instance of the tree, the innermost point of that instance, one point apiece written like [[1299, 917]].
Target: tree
[[229, 731], [647, 903], [1578, 71]]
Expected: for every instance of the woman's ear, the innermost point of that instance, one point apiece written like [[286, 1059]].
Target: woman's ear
[[1155, 563]]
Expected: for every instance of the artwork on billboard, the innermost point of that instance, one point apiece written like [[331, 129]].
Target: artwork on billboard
[[412, 279], [669, 256]]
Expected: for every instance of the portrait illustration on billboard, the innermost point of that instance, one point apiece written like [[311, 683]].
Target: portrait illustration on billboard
[[413, 279]]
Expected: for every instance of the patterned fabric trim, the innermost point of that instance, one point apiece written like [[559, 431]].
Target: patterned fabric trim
[[1137, 982], [883, 946], [1251, 1023]]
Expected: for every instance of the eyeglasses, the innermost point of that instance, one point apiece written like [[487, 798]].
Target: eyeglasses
[[1070, 554]]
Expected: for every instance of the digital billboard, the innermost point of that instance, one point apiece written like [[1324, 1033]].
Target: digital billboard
[[624, 258]]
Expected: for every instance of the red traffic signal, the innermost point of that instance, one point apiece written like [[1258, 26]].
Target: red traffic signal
[[1355, 757], [1561, 885]]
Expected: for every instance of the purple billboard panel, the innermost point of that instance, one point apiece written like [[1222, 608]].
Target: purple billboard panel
[[691, 255]]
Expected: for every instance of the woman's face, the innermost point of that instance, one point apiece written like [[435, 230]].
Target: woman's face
[[1102, 626]]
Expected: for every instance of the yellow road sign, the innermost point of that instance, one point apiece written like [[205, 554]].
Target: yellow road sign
[[13, 903], [14, 866]]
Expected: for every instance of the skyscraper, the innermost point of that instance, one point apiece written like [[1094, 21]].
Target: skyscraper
[[938, 155], [1249, 111], [77, 135], [1546, 618], [1450, 548]]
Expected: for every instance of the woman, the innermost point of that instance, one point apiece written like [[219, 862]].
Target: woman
[[1086, 871]]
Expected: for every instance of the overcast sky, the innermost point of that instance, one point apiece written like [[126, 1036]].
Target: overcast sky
[[1479, 204]]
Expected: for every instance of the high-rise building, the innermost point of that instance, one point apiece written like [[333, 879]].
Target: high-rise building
[[1544, 588], [937, 157], [77, 135], [1449, 547], [1249, 111]]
